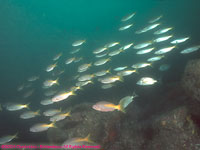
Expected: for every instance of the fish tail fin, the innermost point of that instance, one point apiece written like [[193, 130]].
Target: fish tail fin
[[37, 112], [121, 107], [80, 88], [90, 64], [54, 65], [28, 105], [73, 93], [176, 45], [134, 94], [109, 59], [151, 64], [15, 135], [69, 113], [91, 81], [121, 78], [122, 50], [88, 138], [108, 71], [53, 124], [57, 81], [136, 71]]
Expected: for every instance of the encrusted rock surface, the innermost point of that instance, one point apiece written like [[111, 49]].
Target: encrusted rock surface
[[166, 122], [191, 79]]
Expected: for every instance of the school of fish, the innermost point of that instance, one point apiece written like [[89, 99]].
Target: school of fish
[[151, 52]]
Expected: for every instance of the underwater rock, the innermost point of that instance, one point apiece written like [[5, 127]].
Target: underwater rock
[[166, 125], [191, 79], [84, 121], [174, 130]]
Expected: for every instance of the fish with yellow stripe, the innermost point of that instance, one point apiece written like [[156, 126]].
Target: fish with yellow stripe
[[104, 106], [78, 141], [42, 127]]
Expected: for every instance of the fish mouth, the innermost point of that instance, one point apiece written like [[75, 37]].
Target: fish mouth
[[94, 107]]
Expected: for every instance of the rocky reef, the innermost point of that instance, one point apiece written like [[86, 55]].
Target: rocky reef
[[169, 121], [191, 79]]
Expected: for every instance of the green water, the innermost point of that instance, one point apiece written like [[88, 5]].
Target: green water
[[33, 31]]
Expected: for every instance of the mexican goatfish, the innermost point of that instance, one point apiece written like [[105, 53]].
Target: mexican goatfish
[[127, 100], [83, 142], [125, 18], [57, 56], [49, 83], [51, 112], [99, 50], [115, 52], [125, 27], [14, 106], [125, 47], [70, 60], [33, 78], [161, 31], [41, 127], [62, 96], [7, 138], [164, 67], [107, 86], [86, 77], [29, 114], [145, 51], [148, 28], [120, 68], [156, 58], [164, 50], [126, 72], [60, 116], [102, 73], [155, 19], [107, 106], [101, 61], [84, 67], [180, 40], [164, 38], [146, 81], [141, 65], [112, 44], [142, 45], [78, 43], [111, 79], [51, 67], [190, 49], [46, 102]]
